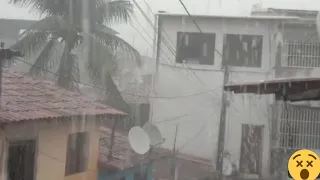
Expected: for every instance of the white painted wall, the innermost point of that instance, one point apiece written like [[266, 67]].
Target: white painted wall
[[198, 116]]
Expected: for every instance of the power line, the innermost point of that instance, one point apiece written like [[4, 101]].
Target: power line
[[165, 120], [194, 22], [167, 44], [136, 95], [194, 137], [180, 116]]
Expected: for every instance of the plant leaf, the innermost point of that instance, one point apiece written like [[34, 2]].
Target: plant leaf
[[113, 11], [46, 59]]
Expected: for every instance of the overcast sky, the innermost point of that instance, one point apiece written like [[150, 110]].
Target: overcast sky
[[231, 7]]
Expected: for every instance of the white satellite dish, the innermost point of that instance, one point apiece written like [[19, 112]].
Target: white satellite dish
[[226, 167], [153, 133], [139, 140]]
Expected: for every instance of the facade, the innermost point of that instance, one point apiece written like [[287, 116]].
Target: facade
[[297, 56], [48, 132], [190, 78]]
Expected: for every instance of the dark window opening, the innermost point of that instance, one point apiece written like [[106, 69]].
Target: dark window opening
[[195, 48], [21, 160], [77, 153], [242, 50]]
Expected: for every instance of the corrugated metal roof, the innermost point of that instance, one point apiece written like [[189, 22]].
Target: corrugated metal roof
[[26, 98], [295, 89]]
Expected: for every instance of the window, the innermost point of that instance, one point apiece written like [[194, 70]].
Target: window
[[77, 153], [302, 53], [242, 50], [195, 48], [298, 127]]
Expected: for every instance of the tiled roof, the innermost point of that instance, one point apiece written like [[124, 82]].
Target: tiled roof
[[123, 157], [26, 98], [136, 94]]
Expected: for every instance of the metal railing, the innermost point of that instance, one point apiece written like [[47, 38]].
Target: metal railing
[[301, 53]]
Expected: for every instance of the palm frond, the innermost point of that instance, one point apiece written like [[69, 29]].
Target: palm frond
[[46, 59], [117, 45], [68, 72], [31, 43], [37, 35], [51, 24], [44, 7], [113, 11], [100, 59]]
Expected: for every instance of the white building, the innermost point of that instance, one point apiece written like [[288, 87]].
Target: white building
[[190, 63]]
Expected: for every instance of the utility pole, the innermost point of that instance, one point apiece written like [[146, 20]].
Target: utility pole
[[173, 165], [222, 126], [156, 57]]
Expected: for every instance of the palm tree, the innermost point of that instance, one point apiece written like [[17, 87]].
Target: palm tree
[[61, 34]]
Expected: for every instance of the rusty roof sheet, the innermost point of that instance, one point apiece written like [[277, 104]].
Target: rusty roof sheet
[[120, 151], [27, 98], [296, 89]]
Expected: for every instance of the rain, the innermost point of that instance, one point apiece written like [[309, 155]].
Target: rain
[[159, 90]]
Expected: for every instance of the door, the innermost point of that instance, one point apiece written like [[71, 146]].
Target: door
[[21, 160], [251, 149]]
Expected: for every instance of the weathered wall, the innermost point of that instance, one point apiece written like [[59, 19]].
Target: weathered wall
[[198, 116], [51, 147]]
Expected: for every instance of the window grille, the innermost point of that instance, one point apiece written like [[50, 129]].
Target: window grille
[[304, 53], [299, 127]]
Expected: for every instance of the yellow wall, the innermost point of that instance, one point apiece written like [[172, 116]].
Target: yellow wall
[[52, 145]]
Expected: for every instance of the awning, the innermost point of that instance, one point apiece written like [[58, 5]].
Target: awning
[[288, 89]]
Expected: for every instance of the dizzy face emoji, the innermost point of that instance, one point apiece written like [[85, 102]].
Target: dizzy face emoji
[[304, 165]]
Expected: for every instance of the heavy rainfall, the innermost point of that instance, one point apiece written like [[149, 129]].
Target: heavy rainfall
[[158, 90]]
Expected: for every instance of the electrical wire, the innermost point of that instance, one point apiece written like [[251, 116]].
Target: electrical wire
[[194, 22], [168, 45], [195, 109], [134, 95], [194, 137]]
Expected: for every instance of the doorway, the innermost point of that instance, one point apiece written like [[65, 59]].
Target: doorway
[[21, 160], [251, 149]]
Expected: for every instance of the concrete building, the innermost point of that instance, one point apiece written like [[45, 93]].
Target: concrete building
[[297, 55], [189, 80]]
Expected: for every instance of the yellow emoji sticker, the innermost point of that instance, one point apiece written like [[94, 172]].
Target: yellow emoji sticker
[[304, 165]]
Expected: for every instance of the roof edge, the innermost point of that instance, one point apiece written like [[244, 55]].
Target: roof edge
[[249, 17]]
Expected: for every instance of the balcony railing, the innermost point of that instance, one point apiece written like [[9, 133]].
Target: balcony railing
[[301, 54]]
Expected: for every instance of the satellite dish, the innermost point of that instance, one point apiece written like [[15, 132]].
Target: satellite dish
[[153, 133], [139, 140], [227, 167]]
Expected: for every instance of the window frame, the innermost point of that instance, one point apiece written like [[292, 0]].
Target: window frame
[[77, 156], [226, 54], [202, 60]]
